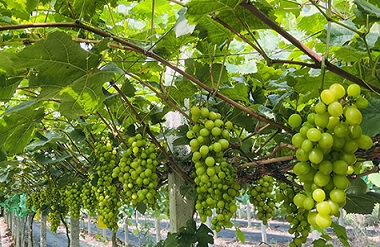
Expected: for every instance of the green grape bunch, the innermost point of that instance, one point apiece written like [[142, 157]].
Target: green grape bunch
[[106, 192], [214, 177], [326, 145], [54, 219], [263, 198], [296, 217], [72, 195], [88, 198], [137, 171]]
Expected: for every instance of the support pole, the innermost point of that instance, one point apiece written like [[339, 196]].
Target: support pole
[[158, 230], [105, 233], [180, 207], [126, 236], [30, 230], [18, 231], [43, 229], [249, 214], [89, 225], [74, 232], [23, 228], [264, 233]]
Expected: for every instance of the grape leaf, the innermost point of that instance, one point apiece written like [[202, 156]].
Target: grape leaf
[[204, 236], [49, 138], [360, 204], [371, 116], [201, 7], [357, 187], [17, 128], [8, 87], [341, 233], [339, 35], [349, 54], [240, 235], [374, 178], [22, 8], [141, 207], [238, 93], [367, 8]]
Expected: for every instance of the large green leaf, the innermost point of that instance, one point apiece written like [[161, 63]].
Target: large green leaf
[[371, 118], [67, 72], [201, 7], [360, 204], [21, 8], [8, 87], [239, 92], [81, 9], [367, 8], [339, 35], [18, 127], [59, 62]]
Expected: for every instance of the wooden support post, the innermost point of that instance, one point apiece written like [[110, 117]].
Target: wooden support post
[[43, 229]]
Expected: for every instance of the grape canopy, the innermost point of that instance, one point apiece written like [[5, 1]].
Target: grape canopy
[[277, 100]]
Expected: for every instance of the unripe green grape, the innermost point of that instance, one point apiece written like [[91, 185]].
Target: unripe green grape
[[319, 195], [295, 120], [327, 96], [338, 90], [364, 142], [353, 90], [314, 134], [353, 115], [323, 220], [361, 102], [335, 109]]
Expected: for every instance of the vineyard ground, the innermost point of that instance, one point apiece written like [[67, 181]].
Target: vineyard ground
[[277, 235]]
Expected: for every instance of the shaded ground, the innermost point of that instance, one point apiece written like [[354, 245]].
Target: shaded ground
[[277, 235]]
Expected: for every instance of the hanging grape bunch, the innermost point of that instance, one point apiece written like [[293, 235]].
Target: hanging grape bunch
[[106, 192], [214, 177], [297, 217], [137, 171], [89, 198], [326, 144], [262, 197], [54, 219], [73, 200]]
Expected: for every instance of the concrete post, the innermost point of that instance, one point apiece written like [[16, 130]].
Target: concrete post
[[18, 231], [180, 207], [249, 214], [30, 230], [74, 232], [126, 236], [43, 230], [264, 238], [158, 230], [89, 225]]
